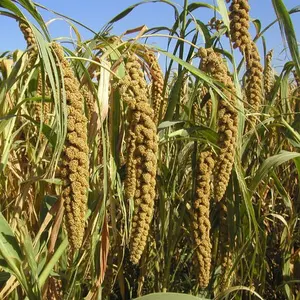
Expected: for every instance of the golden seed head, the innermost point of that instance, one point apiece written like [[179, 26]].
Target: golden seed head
[[254, 81], [28, 35], [225, 255], [141, 155], [269, 77], [42, 108], [201, 222], [239, 24], [75, 155], [157, 85], [89, 100], [227, 121], [241, 38]]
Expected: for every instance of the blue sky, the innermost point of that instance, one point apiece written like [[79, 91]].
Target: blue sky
[[96, 13]]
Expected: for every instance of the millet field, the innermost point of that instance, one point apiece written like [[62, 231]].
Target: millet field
[[129, 168]]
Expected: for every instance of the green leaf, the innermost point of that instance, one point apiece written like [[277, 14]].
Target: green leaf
[[9, 247], [223, 12], [124, 13], [268, 164], [167, 124], [31, 8], [196, 5], [286, 26], [12, 255], [129, 9], [30, 258], [202, 28], [51, 263], [12, 7], [174, 97], [169, 296], [214, 84], [46, 130], [227, 292], [257, 25]]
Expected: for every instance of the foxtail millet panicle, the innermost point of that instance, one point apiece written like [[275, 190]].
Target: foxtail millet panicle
[[31, 44], [241, 38], [269, 78], [89, 100], [212, 63], [201, 223], [29, 36], [75, 162], [132, 90], [141, 160], [157, 85], [43, 108], [39, 108], [239, 24], [255, 78], [145, 156], [225, 254]]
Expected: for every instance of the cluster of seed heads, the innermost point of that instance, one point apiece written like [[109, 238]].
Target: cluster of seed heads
[[201, 222], [141, 160], [220, 166], [75, 166], [157, 85], [213, 64]]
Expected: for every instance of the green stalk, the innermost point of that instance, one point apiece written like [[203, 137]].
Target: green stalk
[[54, 259]]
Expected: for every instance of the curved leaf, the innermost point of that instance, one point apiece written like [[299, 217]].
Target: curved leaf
[[270, 163]]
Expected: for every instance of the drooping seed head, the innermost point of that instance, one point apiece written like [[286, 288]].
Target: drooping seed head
[[201, 222], [213, 64], [141, 155], [157, 85], [75, 155]]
